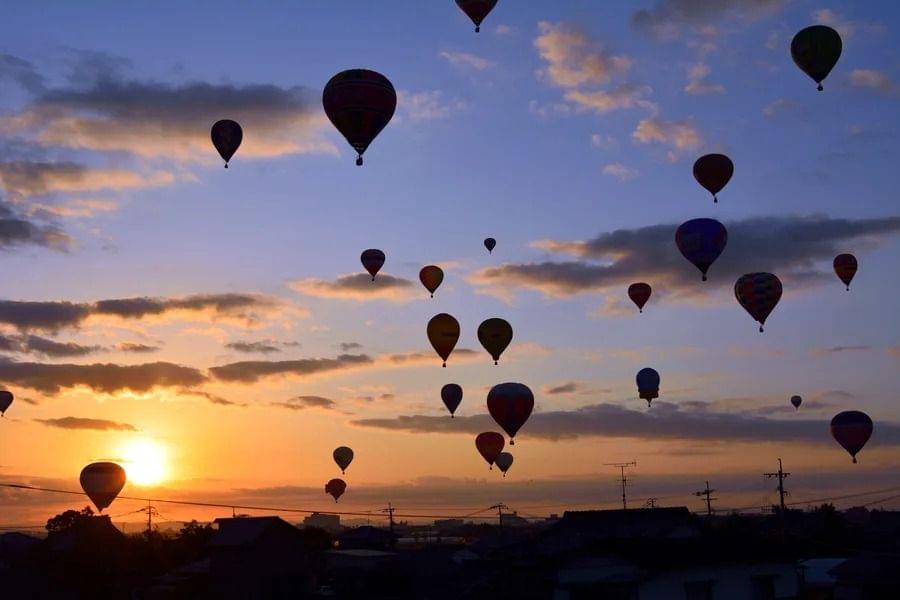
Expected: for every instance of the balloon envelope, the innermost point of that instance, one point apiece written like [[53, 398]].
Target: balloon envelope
[[796, 401], [713, 172], [359, 103], [431, 277], [6, 399], [102, 482], [490, 244], [443, 333], [452, 395], [648, 384], [476, 10], [852, 429], [816, 50], [372, 260], [343, 456], [639, 294], [335, 488], [226, 137], [504, 461], [845, 266], [701, 241], [510, 404], [489, 445], [758, 293], [495, 335]]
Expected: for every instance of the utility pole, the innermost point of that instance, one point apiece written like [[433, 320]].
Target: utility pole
[[650, 503], [390, 511], [624, 480], [708, 493], [151, 512], [781, 475], [500, 508]]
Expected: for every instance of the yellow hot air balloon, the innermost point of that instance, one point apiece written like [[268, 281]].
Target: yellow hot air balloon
[[443, 333]]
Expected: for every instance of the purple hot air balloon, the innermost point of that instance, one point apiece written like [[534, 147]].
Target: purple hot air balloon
[[701, 241]]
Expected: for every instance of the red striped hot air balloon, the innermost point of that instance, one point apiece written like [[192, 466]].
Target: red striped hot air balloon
[[510, 404], [758, 293], [359, 103], [852, 429]]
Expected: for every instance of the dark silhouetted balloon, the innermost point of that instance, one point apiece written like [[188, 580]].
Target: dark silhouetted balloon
[[495, 335], [372, 259], [639, 294], [452, 395], [443, 333], [336, 488], [6, 399], [796, 401], [490, 244], [102, 482], [510, 404], [648, 384], [476, 10], [758, 293], [359, 103], [226, 137], [431, 277], [701, 241], [713, 172], [343, 456], [489, 444], [816, 50], [845, 266], [852, 429], [504, 461]]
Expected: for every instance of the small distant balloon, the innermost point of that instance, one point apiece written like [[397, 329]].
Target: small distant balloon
[[504, 461], [510, 404], [648, 384], [845, 266], [816, 50], [6, 399], [452, 395], [852, 429], [372, 260], [758, 293], [489, 445], [335, 488], [431, 277], [226, 137], [490, 244], [102, 482], [701, 241], [495, 335], [476, 10], [359, 103], [443, 333], [343, 456], [713, 172], [639, 294]]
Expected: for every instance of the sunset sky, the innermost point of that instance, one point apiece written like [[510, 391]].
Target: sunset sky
[[222, 319]]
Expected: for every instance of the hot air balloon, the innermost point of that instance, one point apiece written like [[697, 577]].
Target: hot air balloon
[[852, 429], [476, 10], [816, 50], [226, 137], [102, 482], [504, 461], [758, 293], [510, 404], [713, 172], [443, 333], [431, 277], [639, 294], [372, 259], [343, 456], [489, 444], [6, 399], [701, 241], [452, 395], [336, 488], [845, 266], [495, 335], [359, 103], [648, 384], [490, 244], [796, 401]]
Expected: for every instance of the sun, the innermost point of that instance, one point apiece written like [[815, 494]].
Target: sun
[[145, 461]]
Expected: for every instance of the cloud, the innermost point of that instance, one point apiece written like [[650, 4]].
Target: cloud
[[831, 350], [505, 29], [107, 378], [783, 106], [253, 371], [620, 171], [75, 208], [573, 59], [22, 72], [304, 402], [562, 388], [212, 398], [91, 424], [411, 358], [427, 106], [799, 249], [697, 81], [136, 348], [679, 135], [261, 347], [464, 59], [845, 27], [348, 346], [669, 18], [33, 344], [20, 230], [24, 179], [871, 79], [359, 287], [602, 101]]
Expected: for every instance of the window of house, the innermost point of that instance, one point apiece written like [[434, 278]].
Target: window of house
[[698, 590]]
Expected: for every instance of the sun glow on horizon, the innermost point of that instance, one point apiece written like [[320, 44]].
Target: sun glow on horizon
[[145, 461]]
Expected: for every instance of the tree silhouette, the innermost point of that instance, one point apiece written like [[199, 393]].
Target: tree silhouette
[[65, 520]]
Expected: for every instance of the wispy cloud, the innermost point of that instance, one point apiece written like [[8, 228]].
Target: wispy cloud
[[89, 424], [305, 402], [359, 287], [427, 105], [872, 79], [698, 83], [101, 377], [620, 171], [465, 59], [680, 136]]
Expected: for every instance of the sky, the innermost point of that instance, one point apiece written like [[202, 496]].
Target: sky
[[215, 332]]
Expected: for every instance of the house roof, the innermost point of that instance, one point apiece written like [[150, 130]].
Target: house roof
[[244, 531]]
